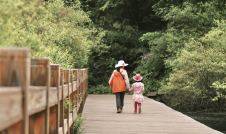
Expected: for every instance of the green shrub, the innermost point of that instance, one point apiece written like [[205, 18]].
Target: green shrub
[[50, 29], [77, 126]]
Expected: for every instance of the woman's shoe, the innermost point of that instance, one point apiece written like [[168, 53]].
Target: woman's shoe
[[119, 110]]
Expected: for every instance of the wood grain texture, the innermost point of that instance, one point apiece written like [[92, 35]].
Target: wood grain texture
[[60, 130], [65, 126], [16, 128], [40, 76], [66, 76], [70, 88], [53, 96], [13, 64], [30, 94], [15, 71], [10, 105], [74, 85], [53, 121], [65, 90], [156, 118], [60, 92], [39, 72], [37, 123], [55, 75], [37, 99]]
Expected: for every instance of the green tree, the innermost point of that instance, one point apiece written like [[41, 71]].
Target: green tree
[[50, 29], [123, 22], [198, 66]]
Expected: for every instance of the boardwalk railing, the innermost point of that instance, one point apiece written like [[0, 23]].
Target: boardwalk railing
[[37, 97]]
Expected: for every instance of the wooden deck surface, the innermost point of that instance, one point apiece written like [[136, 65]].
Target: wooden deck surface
[[100, 117]]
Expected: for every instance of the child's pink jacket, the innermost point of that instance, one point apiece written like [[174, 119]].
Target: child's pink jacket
[[138, 89]]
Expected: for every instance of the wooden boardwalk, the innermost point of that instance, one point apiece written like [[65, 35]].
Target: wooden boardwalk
[[100, 117]]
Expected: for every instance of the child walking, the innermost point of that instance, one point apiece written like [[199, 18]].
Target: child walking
[[138, 89]]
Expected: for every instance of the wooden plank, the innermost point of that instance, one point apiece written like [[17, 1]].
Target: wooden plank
[[15, 71], [66, 82], [40, 78], [74, 99], [79, 88], [65, 90], [82, 95], [71, 81], [70, 120], [53, 96], [74, 85], [61, 130], [156, 118], [39, 72], [37, 99], [37, 123], [60, 92], [55, 75], [75, 94], [65, 126], [75, 115], [70, 88], [13, 63], [66, 76], [10, 101], [61, 100], [16, 128], [54, 122]]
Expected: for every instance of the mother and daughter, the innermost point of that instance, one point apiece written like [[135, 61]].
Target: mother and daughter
[[119, 83]]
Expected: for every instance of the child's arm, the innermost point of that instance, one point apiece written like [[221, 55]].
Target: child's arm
[[131, 88]]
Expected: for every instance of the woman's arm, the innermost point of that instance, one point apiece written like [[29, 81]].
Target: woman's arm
[[110, 80], [125, 75]]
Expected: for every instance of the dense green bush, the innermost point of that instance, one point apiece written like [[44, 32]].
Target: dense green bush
[[176, 64], [200, 64], [77, 125], [50, 29]]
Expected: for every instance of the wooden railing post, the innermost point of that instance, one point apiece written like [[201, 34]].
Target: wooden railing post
[[54, 121], [14, 82], [67, 100], [61, 95], [40, 83], [83, 90], [74, 94]]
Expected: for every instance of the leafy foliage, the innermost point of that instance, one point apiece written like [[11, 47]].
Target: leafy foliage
[[121, 21], [198, 66], [64, 34], [176, 62], [77, 125]]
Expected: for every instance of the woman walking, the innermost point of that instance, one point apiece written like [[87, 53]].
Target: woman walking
[[119, 82]]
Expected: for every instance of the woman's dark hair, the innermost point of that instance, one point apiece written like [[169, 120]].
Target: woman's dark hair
[[118, 69]]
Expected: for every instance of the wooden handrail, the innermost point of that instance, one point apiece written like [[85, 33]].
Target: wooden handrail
[[37, 97]]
